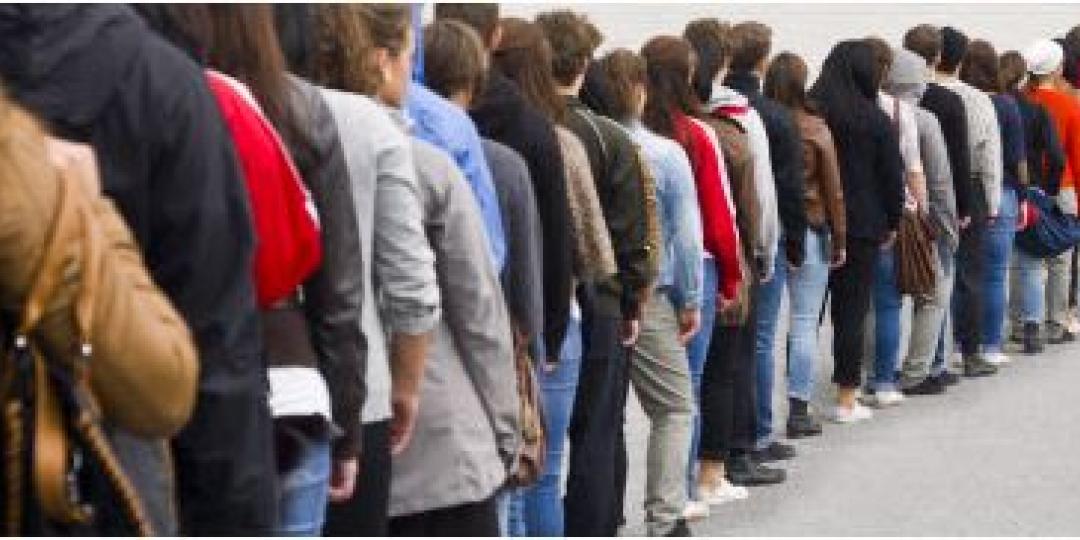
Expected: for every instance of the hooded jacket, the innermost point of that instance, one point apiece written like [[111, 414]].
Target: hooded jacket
[[502, 114], [785, 153], [95, 74]]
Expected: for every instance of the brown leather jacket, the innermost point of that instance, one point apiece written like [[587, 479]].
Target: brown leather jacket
[[824, 192], [739, 163]]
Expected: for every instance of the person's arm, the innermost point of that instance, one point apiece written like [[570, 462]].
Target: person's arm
[[992, 168], [717, 222], [955, 129], [1071, 146], [1055, 154], [832, 191], [404, 268], [915, 175], [787, 162], [889, 173], [333, 295], [680, 205], [626, 216]]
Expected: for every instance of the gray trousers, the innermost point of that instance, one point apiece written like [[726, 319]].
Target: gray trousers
[[660, 374], [928, 320], [1057, 281]]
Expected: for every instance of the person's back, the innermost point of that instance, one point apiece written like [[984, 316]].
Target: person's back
[[1046, 159], [466, 431], [1065, 112], [166, 160], [948, 107]]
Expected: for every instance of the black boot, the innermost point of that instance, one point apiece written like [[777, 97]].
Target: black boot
[[1032, 340], [743, 471], [800, 423]]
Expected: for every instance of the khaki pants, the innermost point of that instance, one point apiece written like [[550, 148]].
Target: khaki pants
[[1057, 282], [660, 373]]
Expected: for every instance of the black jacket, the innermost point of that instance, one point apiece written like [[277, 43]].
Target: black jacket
[[1045, 156], [620, 187], [503, 115], [94, 73], [949, 110], [786, 154]]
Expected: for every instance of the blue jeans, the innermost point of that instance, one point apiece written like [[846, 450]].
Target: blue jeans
[[696, 352], [806, 293], [770, 295], [304, 491], [887, 306], [538, 510], [1028, 291], [998, 246]]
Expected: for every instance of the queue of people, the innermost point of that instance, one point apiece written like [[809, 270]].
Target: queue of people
[[421, 266]]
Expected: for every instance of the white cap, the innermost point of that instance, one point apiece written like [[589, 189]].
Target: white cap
[[1043, 57]]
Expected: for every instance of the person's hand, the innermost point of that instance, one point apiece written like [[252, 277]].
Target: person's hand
[[965, 222], [343, 479], [629, 330], [405, 409], [723, 304], [991, 219], [839, 257], [890, 239], [78, 160], [689, 324]]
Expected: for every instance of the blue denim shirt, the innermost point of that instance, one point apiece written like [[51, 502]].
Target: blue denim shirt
[[683, 251], [443, 124]]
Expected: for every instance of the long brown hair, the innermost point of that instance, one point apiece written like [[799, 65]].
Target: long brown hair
[[524, 56], [669, 64], [785, 82], [343, 56], [980, 67]]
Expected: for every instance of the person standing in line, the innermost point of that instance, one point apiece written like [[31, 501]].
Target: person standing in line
[[882, 355], [397, 262], [745, 148], [980, 70], [1045, 61], [446, 481], [165, 158], [925, 41], [907, 82], [871, 171], [751, 47], [984, 144], [1046, 161], [611, 310], [785, 83], [659, 370]]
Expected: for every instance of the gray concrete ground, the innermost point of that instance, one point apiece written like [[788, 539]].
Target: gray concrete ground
[[992, 457]]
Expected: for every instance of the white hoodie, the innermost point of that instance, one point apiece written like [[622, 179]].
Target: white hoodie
[[738, 107]]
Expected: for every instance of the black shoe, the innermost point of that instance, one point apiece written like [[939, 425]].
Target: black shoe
[[681, 529], [948, 378], [743, 471], [1057, 334], [930, 386], [1032, 340], [776, 451], [977, 366], [802, 425]]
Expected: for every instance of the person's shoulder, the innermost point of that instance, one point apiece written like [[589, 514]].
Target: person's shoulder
[[501, 158]]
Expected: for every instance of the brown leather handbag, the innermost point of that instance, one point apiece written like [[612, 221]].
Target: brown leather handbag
[[532, 454], [916, 270], [90, 339]]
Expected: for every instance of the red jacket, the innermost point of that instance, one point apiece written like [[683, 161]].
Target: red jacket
[[288, 246], [717, 221]]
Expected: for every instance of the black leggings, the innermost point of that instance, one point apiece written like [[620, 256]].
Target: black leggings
[[473, 519], [366, 513], [851, 286], [728, 389]]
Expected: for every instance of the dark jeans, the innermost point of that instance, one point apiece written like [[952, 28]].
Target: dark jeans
[[365, 514], [597, 472], [851, 287], [968, 295], [729, 389], [472, 519]]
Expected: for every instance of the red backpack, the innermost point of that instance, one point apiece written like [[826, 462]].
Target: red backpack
[[288, 245]]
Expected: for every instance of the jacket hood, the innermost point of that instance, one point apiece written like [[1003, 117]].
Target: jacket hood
[[500, 104], [725, 98], [64, 62]]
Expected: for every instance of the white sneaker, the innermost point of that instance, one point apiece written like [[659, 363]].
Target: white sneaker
[[857, 413], [724, 493], [695, 510], [997, 358], [888, 398]]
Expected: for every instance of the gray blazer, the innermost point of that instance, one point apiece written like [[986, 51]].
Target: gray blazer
[[396, 262], [522, 281], [467, 430], [939, 184]]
